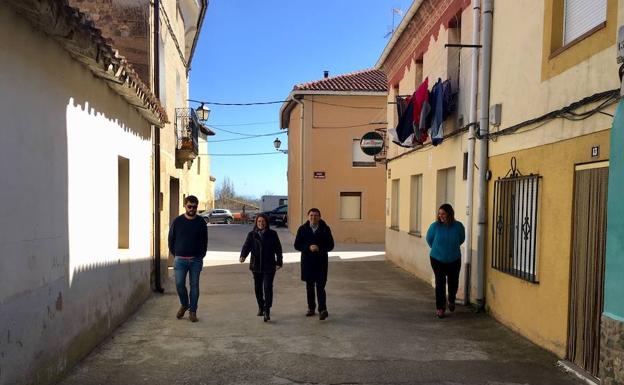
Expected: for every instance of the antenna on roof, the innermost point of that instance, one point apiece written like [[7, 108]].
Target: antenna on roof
[[391, 29]]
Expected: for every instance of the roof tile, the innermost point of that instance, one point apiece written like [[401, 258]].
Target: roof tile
[[369, 80]]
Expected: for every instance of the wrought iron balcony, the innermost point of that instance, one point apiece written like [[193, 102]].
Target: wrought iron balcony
[[187, 128]]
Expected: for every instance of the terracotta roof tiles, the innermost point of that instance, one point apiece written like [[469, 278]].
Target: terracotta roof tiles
[[369, 80]]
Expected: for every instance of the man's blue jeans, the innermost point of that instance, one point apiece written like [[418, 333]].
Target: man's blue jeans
[[192, 267]]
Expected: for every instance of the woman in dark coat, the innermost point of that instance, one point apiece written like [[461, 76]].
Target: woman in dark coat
[[314, 240], [266, 257]]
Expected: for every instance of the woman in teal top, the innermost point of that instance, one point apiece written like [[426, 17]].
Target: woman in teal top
[[444, 236]]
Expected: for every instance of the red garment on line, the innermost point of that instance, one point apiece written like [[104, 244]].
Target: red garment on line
[[421, 97]]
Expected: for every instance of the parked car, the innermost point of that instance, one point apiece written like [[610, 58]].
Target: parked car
[[218, 216], [278, 216]]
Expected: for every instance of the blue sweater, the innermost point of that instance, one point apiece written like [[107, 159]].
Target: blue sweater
[[445, 241]]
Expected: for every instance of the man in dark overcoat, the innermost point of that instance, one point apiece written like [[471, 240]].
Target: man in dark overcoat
[[314, 240]]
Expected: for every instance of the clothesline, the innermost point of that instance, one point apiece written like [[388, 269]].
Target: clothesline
[[399, 96], [421, 115]]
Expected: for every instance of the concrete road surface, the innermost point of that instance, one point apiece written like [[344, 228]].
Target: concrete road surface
[[381, 330]]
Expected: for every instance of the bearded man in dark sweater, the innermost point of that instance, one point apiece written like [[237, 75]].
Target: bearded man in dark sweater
[[188, 241]]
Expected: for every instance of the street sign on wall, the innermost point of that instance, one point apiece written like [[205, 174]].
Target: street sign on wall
[[372, 143]]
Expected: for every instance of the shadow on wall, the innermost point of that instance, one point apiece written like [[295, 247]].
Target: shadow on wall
[[57, 302]]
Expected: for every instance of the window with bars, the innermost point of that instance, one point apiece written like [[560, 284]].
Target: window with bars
[[514, 234]]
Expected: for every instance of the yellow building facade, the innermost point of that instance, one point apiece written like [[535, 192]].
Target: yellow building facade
[[554, 84], [326, 167], [543, 68]]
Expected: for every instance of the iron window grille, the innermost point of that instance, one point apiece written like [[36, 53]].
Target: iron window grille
[[515, 218]]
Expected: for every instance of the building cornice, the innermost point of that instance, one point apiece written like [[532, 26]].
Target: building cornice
[[200, 22], [411, 39]]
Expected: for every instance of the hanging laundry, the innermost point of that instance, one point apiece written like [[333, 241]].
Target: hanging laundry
[[437, 113], [403, 134], [401, 103], [448, 102], [421, 112]]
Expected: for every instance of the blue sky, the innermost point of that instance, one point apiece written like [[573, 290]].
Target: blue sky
[[255, 51]]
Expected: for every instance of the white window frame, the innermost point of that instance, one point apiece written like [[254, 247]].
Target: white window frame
[[347, 195], [445, 186], [394, 203], [416, 204]]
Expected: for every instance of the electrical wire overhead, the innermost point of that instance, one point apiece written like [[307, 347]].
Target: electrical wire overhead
[[284, 101], [238, 104], [568, 112], [250, 154], [248, 137], [244, 124], [233, 132]]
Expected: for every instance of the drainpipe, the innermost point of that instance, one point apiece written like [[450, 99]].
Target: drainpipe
[[474, 78], [156, 76], [484, 124], [301, 159]]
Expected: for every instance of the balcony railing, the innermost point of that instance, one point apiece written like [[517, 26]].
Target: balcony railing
[[187, 131]]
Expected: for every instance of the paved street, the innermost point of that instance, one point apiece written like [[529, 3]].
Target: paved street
[[381, 330]]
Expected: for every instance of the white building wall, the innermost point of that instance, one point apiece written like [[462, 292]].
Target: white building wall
[[64, 285]]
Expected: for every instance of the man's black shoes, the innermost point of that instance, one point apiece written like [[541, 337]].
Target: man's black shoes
[[323, 315]]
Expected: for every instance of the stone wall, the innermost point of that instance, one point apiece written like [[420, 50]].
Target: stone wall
[[611, 351]]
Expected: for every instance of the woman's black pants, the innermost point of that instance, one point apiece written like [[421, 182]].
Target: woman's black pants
[[263, 286], [445, 273], [320, 295]]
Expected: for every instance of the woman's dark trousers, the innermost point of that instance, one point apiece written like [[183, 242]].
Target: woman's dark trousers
[[263, 285], [320, 295], [445, 273]]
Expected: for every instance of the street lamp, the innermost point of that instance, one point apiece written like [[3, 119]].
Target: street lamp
[[203, 112], [277, 143]]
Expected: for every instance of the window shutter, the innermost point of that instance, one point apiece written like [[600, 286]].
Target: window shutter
[[350, 205], [581, 16]]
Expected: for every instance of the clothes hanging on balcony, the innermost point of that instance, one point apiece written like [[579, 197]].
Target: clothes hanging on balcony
[[413, 118], [437, 113], [403, 134], [448, 101], [421, 112]]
